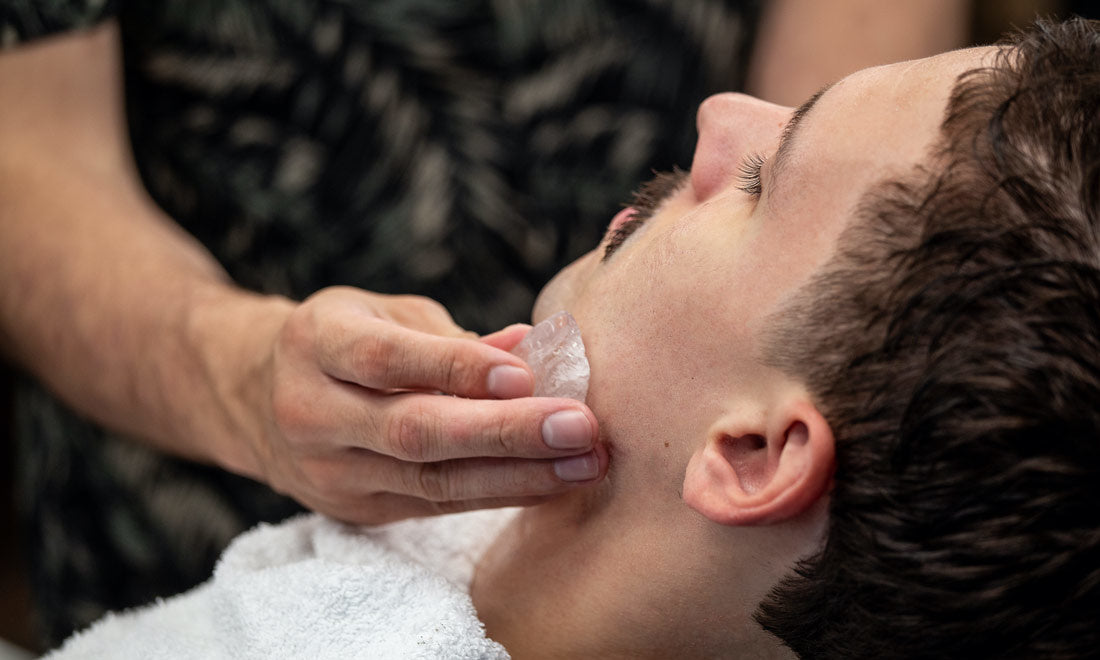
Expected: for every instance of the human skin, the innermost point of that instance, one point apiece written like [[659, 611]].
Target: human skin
[[720, 463], [132, 322]]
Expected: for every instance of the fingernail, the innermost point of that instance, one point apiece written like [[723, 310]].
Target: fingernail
[[508, 382], [568, 429], [577, 468]]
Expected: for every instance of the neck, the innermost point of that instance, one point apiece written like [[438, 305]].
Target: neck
[[576, 578], [541, 587]]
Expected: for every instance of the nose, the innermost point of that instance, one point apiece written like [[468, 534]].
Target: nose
[[730, 127]]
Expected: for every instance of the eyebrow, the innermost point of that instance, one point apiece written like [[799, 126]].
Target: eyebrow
[[790, 132]]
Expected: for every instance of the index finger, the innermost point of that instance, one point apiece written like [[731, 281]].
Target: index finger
[[425, 428], [383, 355]]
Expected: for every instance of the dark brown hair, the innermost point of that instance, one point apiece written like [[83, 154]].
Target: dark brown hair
[[954, 346]]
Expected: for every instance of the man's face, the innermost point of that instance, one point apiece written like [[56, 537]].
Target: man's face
[[673, 320]]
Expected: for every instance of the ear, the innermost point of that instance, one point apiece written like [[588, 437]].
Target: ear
[[763, 472]]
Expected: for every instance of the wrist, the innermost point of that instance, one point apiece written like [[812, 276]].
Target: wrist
[[231, 335]]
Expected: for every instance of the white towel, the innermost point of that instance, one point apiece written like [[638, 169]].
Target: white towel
[[313, 588]]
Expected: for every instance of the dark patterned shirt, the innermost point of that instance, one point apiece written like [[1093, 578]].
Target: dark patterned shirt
[[462, 150]]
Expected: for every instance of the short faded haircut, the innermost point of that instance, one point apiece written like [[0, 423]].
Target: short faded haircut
[[953, 344]]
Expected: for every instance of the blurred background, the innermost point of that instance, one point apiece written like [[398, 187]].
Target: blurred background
[[988, 20]]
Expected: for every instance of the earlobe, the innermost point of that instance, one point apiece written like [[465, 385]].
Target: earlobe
[[759, 476]]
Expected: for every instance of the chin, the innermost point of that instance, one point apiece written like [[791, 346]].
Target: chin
[[560, 292], [549, 301]]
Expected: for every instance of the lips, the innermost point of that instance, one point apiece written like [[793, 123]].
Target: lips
[[561, 290], [620, 219]]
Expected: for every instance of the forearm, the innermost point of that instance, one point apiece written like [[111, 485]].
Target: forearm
[[105, 299], [111, 305], [132, 322]]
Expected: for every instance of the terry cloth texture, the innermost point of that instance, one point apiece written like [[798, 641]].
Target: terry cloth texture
[[459, 149], [313, 588]]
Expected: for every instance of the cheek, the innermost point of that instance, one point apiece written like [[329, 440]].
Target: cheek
[[659, 344]]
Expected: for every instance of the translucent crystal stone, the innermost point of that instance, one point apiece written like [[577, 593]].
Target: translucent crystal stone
[[554, 351]]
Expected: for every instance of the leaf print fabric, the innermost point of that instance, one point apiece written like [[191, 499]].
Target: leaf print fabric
[[462, 150]]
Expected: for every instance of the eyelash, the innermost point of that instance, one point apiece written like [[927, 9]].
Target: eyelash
[[748, 178]]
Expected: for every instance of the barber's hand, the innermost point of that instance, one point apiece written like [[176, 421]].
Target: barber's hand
[[359, 429]]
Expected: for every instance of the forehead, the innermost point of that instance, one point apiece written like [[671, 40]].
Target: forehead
[[873, 125], [886, 118]]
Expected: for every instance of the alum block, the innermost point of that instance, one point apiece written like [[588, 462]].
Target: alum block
[[555, 352]]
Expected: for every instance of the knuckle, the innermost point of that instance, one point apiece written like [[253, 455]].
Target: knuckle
[[298, 337], [482, 436], [296, 332], [425, 304], [461, 369], [433, 482], [409, 434], [474, 435], [501, 436], [517, 481], [374, 358]]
